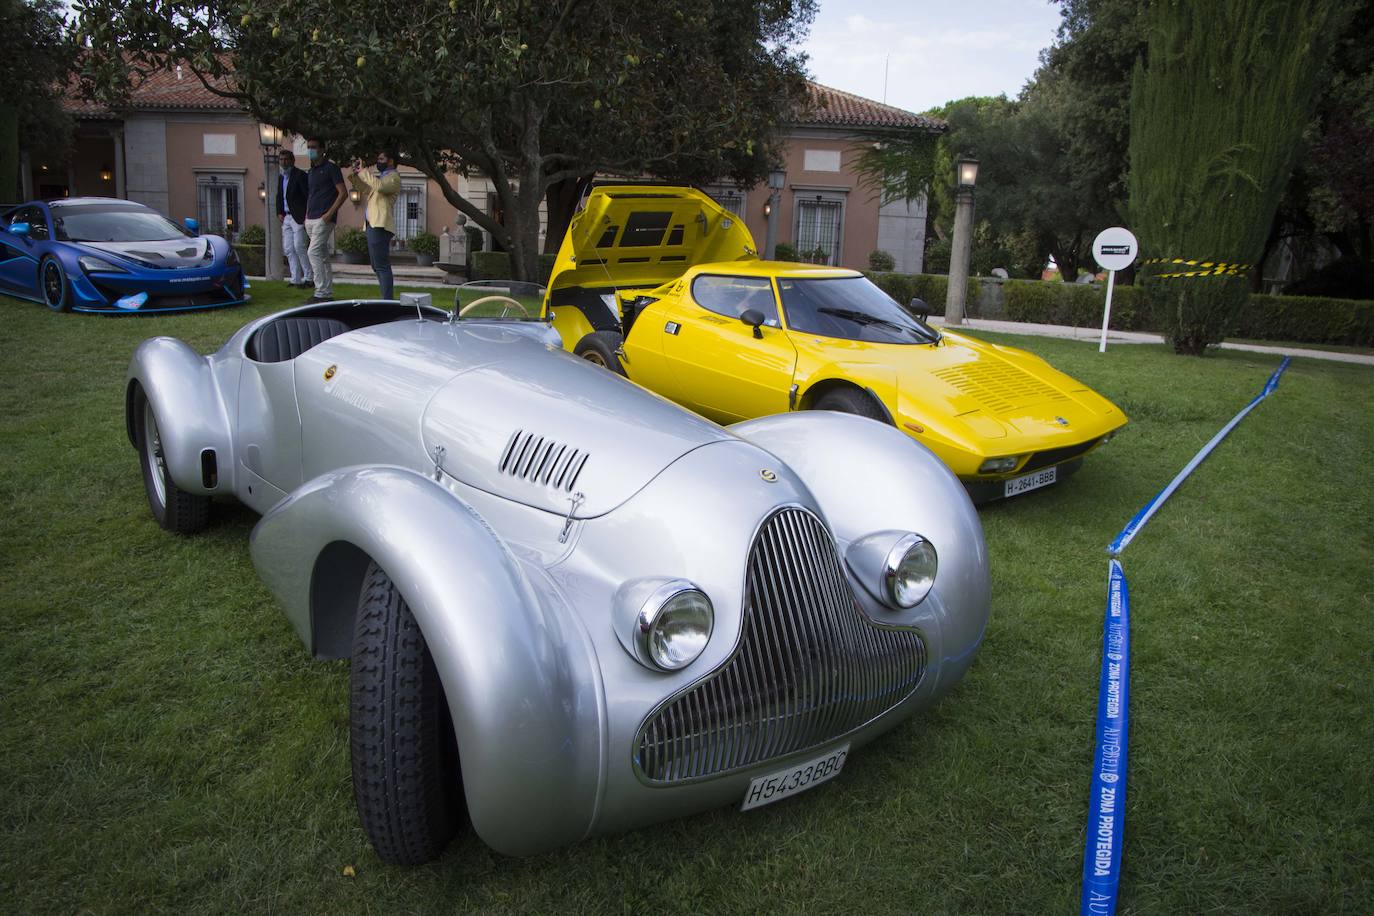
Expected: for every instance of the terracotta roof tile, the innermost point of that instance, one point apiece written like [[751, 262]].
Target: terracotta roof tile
[[175, 89], [834, 107]]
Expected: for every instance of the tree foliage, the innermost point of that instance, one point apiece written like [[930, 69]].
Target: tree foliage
[[532, 95], [38, 65], [1216, 121]]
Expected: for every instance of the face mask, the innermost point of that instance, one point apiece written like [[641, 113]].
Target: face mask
[[314, 154], [381, 165]]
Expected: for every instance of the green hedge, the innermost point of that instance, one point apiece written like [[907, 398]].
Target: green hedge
[[1299, 319], [933, 288], [253, 258], [495, 265], [1308, 319]]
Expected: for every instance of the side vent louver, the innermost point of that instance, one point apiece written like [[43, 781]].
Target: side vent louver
[[542, 461]]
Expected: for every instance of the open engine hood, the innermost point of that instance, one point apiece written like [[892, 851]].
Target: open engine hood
[[645, 235]]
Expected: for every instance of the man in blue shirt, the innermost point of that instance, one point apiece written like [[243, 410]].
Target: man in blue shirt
[[327, 193]]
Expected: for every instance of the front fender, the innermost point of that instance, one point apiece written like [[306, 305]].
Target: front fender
[[190, 410], [518, 671], [869, 477]]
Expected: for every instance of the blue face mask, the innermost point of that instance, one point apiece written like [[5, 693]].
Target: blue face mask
[[381, 165], [314, 154]]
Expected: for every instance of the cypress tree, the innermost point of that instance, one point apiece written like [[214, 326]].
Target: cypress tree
[[1217, 113]]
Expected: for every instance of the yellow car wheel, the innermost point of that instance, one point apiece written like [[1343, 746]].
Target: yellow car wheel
[[600, 348]]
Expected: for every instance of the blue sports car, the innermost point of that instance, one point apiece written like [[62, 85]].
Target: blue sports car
[[97, 254]]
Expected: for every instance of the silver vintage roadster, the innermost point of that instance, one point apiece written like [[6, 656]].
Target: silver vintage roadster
[[571, 606]]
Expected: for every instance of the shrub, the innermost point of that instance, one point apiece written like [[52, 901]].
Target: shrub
[[1308, 319], [880, 260], [475, 238], [425, 243], [785, 252], [253, 258], [495, 265], [937, 257], [351, 241], [253, 235]]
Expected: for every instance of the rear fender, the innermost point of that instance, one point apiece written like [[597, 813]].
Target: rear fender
[[518, 670], [190, 410]]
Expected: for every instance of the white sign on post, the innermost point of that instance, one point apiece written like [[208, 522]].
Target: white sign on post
[[1114, 249]]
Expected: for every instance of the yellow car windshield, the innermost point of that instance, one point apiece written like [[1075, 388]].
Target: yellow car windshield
[[849, 308]]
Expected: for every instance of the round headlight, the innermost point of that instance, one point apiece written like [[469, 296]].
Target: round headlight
[[674, 625], [910, 570]]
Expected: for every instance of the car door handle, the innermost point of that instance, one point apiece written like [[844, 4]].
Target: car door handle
[[672, 327]]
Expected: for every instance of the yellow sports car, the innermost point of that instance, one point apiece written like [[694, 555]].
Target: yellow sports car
[[664, 286]]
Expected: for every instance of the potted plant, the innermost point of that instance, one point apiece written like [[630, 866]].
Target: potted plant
[[352, 245], [426, 248]]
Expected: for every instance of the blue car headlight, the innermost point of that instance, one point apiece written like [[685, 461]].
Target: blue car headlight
[[92, 264]]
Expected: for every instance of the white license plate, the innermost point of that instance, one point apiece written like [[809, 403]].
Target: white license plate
[[1030, 481], [797, 778]]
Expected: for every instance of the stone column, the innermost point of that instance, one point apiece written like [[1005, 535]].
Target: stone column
[[117, 135], [959, 257]]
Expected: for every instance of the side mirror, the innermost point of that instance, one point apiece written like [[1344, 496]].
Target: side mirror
[[19, 229], [192, 225], [753, 318], [920, 308]]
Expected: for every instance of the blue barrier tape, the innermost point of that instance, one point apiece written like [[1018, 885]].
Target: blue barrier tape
[[1145, 514], [1107, 807]]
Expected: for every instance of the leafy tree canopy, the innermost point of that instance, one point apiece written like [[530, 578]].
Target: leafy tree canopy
[[531, 94], [38, 65]]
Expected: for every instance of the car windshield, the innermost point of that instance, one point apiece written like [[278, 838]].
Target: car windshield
[[849, 308], [114, 224], [499, 299]]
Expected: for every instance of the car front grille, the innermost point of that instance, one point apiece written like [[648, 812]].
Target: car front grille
[[1057, 456], [809, 667]]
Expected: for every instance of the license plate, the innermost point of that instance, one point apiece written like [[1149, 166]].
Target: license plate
[[797, 778], [1030, 481]]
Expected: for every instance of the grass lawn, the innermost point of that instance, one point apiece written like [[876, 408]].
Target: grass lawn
[[167, 746]]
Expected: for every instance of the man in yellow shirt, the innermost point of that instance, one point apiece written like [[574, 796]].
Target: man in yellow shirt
[[381, 192]]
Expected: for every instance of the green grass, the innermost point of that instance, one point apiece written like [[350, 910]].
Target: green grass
[[167, 746]]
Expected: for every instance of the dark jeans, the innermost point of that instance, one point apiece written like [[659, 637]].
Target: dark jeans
[[379, 253]]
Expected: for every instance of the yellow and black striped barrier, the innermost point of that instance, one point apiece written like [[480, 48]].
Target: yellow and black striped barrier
[[1203, 268]]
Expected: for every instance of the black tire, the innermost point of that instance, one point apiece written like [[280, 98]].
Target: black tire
[[406, 780], [599, 348], [52, 283], [173, 508], [852, 400]]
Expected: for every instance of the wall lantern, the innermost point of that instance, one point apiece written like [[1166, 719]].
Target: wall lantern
[[354, 196], [966, 171], [105, 173], [262, 190], [767, 208]]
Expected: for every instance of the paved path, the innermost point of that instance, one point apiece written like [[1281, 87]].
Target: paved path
[[1093, 335]]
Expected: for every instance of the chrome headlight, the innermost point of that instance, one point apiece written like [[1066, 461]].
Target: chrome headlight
[[896, 567], [99, 265], [664, 623]]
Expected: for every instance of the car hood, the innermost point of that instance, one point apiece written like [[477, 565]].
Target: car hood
[[188, 252], [554, 432], [646, 235]]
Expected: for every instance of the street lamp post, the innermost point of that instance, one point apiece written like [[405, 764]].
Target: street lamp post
[[966, 175], [777, 179], [270, 138]]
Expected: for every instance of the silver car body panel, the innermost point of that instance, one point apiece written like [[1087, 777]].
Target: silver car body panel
[[394, 442]]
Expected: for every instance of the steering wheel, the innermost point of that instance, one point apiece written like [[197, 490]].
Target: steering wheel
[[506, 301]]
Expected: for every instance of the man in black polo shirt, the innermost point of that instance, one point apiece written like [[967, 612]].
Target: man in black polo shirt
[[327, 194]]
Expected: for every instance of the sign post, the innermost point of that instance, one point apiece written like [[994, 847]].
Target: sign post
[[1114, 249]]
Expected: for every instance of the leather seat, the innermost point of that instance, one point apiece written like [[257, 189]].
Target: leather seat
[[288, 338]]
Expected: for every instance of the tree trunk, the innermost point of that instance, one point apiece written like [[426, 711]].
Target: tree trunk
[[561, 205]]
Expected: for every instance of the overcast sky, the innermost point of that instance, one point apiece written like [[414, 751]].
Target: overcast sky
[[936, 51]]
